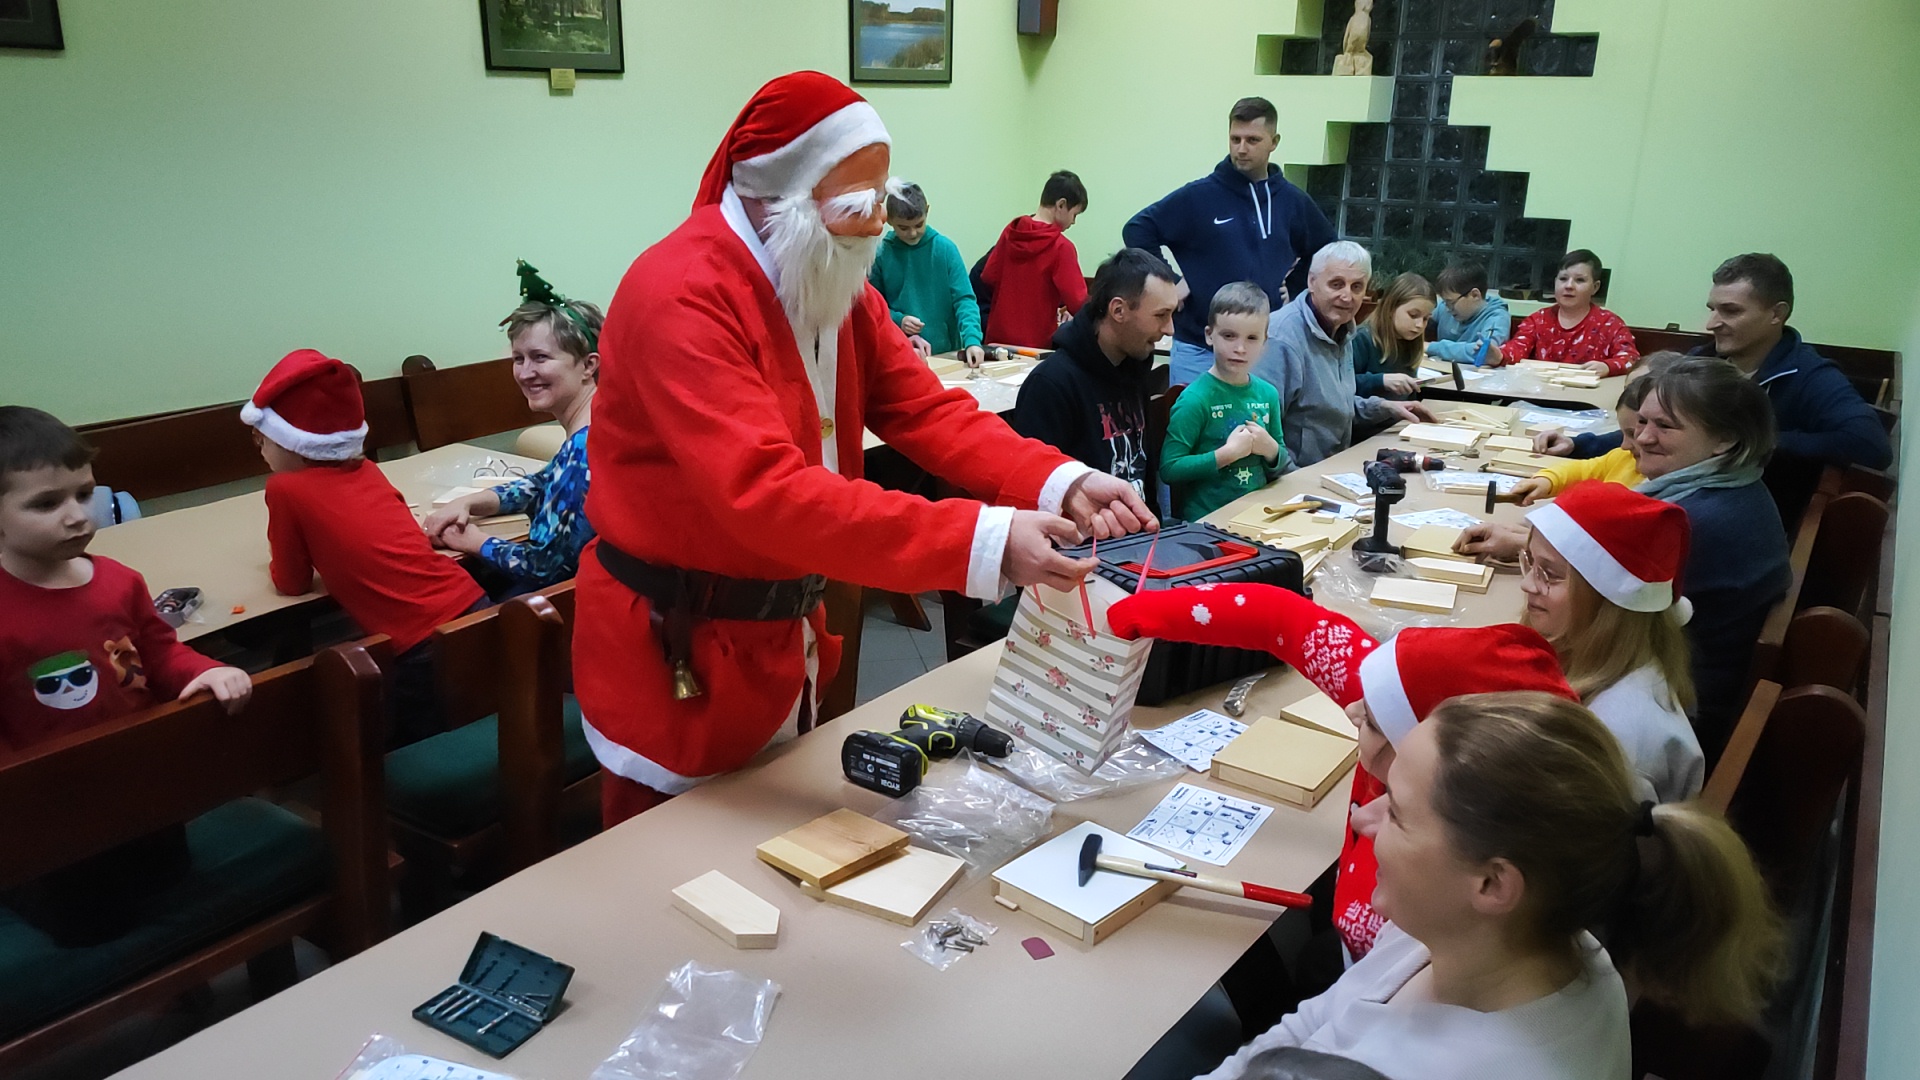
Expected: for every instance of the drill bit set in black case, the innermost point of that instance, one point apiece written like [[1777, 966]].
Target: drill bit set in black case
[[1191, 553], [505, 995]]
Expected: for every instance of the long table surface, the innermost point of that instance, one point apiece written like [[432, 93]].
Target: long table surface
[[853, 1003], [221, 547]]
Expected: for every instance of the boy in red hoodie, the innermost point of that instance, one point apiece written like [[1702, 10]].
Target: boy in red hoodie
[[331, 511], [1033, 272]]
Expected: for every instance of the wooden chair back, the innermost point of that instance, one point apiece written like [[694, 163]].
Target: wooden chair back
[[846, 615], [95, 789], [1666, 1046], [1765, 663], [1845, 559], [167, 453], [1871, 371], [1159, 412], [450, 405], [1824, 647], [1781, 777]]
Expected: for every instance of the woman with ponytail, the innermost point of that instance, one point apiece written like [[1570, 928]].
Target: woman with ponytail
[[1511, 835]]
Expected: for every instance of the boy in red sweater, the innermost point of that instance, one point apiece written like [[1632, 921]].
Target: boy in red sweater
[[80, 646], [331, 511], [1033, 272]]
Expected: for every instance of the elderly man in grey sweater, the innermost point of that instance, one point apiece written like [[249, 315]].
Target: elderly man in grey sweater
[[1306, 359]]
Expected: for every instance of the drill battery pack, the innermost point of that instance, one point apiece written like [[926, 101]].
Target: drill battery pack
[[876, 760]]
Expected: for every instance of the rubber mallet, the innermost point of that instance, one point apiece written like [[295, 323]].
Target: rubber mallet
[[1091, 860]]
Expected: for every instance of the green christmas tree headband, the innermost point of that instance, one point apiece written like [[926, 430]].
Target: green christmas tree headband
[[535, 289]]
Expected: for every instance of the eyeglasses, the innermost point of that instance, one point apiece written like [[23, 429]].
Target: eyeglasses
[[497, 468], [1530, 567]]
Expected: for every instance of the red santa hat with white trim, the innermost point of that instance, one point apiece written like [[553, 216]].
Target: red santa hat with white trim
[[1629, 547], [791, 133], [310, 403], [1402, 679]]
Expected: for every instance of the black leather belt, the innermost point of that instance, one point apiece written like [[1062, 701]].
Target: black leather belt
[[679, 597]]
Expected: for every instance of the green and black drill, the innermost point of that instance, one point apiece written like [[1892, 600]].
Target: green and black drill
[[894, 763]]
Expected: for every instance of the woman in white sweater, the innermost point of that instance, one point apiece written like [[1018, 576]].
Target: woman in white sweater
[[1510, 831], [1602, 581]]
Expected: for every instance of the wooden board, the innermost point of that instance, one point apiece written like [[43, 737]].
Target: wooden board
[[733, 912], [1520, 462], [1473, 577], [1325, 529], [898, 890], [1493, 419], [1321, 713], [1333, 482], [1293, 762], [1441, 437], [1432, 540], [1045, 883], [1584, 380], [832, 848], [1498, 443], [1413, 595]]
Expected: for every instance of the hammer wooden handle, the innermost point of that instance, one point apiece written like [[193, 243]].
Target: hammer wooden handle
[[1193, 879]]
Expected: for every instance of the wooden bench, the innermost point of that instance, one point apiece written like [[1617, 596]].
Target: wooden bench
[[508, 665], [459, 404], [167, 453], [76, 797]]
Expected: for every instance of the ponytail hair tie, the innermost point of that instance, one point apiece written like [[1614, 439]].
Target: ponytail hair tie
[[1643, 822]]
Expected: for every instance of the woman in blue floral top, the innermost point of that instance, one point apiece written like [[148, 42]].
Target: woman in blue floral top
[[556, 361]]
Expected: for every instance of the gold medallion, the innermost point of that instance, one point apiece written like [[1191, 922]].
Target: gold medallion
[[826, 427]]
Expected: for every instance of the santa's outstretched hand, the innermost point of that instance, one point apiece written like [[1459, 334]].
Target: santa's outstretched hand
[[1325, 646], [1105, 506]]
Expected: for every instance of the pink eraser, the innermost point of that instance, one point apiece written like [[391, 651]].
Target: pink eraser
[[1037, 948]]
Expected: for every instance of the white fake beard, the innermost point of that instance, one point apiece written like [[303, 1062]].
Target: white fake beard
[[821, 275]]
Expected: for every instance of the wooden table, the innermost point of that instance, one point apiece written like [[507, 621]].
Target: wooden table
[[996, 389], [221, 547], [1507, 384], [853, 1003]]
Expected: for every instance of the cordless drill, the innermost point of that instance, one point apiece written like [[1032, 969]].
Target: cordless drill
[[894, 763], [1407, 460]]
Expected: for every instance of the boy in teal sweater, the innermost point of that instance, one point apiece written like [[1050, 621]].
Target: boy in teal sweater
[[925, 281], [1223, 435]]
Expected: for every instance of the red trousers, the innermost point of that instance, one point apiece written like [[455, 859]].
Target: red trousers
[[621, 798]]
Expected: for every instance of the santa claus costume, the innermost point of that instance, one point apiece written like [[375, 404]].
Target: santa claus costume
[[1401, 681], [726, 452]]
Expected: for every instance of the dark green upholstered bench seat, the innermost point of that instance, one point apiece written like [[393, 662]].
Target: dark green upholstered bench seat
[[449, 785], [250, 858]]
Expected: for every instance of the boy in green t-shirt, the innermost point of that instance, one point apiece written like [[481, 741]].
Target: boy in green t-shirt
[[924, 280], [1223, 435]]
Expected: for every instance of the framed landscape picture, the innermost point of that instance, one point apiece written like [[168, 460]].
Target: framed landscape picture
[[895, 41], [538, 35], [30, 24]]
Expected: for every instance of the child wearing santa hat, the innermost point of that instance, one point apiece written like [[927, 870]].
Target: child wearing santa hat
[[1602, 576], [1386, 688], [331, 511]]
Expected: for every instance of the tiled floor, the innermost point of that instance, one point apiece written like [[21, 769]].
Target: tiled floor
[[891, 654]]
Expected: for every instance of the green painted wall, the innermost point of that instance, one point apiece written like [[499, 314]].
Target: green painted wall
[[194, 188]]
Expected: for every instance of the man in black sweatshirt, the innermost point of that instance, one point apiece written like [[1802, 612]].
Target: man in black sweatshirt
[[1088, 399]]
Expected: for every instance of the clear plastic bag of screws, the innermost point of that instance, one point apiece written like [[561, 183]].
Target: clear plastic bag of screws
[[943, 941], [385, 1058]]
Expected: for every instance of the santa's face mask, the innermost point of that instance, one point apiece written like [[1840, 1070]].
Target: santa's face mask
[[67, 681]]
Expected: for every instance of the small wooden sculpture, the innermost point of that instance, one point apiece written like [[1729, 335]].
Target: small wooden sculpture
[[1503, 53], [1354, 59]]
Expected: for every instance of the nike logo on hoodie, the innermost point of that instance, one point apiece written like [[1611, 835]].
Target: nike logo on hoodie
[[1221, 220]]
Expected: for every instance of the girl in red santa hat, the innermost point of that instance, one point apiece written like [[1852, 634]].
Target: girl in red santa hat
[[332, 512], [1602, 578], [1385, 688]]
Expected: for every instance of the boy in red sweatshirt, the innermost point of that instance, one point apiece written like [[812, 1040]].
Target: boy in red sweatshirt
[[1033, 272], [331, 511], [81, 646]]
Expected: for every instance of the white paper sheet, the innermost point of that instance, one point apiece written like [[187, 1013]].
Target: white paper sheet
[[1195, 737], [1201, 824], [1451, 518], [1052, 873]]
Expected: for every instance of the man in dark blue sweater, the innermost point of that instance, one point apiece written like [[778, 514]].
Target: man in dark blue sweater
[[1242, 222]]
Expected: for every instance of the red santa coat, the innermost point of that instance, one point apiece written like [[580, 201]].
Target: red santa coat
[[706, 455]]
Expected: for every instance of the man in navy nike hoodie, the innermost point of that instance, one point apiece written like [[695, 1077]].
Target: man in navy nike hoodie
[[1242, 222]]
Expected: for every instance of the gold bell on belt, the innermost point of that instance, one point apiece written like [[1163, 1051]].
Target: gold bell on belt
[[685, 685]]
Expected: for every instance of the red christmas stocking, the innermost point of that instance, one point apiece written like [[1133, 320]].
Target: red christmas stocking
[[1325, 646]]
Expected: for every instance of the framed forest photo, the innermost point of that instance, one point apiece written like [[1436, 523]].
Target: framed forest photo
[[902, 41], [538, 35], [30, 24]]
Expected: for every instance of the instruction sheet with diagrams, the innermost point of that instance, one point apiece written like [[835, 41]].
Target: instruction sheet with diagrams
[[1200, 824], [1195, 737]]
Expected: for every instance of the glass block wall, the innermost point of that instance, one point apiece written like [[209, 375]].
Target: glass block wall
[[1417, 190]]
